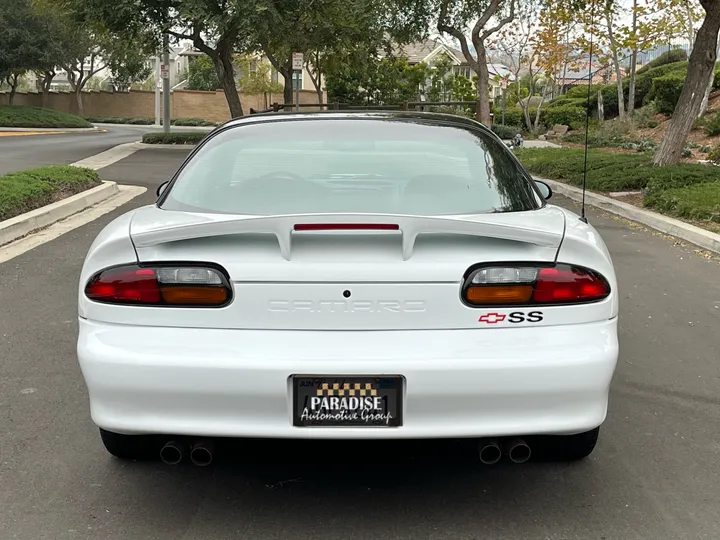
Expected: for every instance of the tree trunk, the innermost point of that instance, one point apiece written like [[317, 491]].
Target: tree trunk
[[601, 107], [222, 60], [79, 99], [288, 89], [631, 89], [620, 91], [46, 82], [701, 68], [482, 107], [708, 91], [633, 64]]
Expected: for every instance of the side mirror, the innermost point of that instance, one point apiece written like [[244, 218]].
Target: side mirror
[[161, 188], [545, 190]]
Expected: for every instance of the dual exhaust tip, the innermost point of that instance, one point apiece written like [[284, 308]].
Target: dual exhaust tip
[[492, 451], [201, 453]]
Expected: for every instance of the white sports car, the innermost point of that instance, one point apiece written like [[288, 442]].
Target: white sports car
[[348, 276]]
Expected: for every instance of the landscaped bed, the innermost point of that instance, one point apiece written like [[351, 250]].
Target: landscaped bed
[[144, 121], [192, 137], [28, 190], [16, 116], [687, 191]]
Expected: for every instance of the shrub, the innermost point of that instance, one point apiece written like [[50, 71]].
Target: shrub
[[613, 172], [568, 115], [706, 149], [505, 132], [562, 101], [191, 122], [17, 116], [581, 91], [513, 117], [173, 138], [670, 57], [710, 123], [714, 154], [645, 116], [699, 202], [666, 91], [23, 191]]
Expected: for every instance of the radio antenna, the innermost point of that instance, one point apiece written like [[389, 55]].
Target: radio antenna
[[583, 217]]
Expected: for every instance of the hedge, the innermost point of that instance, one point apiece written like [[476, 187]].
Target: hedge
[[24, 191], [17, 116], [149, 121], [513, 117], [505, 132], [700, 202], [613, 172], [666, 91], [568, 115], [173, 138], [669, 57]]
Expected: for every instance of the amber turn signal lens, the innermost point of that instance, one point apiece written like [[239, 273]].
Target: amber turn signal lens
[[499, 294], [189, 295]]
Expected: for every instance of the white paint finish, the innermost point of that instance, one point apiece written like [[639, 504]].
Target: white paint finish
[[459, 383], [108, 157], [18, 247], [152, 226], [19, 226], [700, 237]]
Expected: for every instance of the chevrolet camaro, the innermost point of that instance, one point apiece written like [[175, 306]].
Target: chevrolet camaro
[[348, 275]]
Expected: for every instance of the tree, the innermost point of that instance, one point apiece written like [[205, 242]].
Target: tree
[[26, 42], [202, 74], [217, 28], [454, 16], [255, 77], [701, 69], [127, 61]]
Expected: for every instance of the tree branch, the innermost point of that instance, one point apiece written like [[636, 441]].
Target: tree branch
[[499, 25], [446, 28]]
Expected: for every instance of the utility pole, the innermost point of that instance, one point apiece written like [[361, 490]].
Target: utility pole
[[166, 83], [158, 86]]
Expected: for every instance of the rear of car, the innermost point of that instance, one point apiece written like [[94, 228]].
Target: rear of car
[[348, 276]]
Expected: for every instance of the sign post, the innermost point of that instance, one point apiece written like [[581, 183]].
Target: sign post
[[504, 85], [297, 65]]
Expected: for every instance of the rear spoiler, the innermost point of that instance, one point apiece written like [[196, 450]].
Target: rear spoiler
[[542, 228]]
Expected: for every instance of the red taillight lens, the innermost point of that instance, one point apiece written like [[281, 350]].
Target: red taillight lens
[[568, 284], [125, 285], [160, 286], [533, 285]]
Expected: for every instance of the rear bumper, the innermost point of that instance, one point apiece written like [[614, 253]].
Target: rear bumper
[[459, 383]]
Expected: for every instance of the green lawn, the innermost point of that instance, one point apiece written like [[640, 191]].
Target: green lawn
[[689, 191], [17, 116], [27, 190]]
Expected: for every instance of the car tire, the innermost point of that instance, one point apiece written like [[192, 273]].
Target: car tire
[[134, 447], [575, 447]]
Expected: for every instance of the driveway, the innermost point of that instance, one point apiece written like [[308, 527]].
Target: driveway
[[655, 473]]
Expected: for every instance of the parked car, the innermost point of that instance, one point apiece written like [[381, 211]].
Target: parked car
[[353, 275]]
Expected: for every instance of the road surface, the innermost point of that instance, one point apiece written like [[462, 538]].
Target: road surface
[[654, 475], [28, 151]]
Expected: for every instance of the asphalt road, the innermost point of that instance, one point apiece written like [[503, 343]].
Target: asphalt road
[[24, 152], [654, 475]]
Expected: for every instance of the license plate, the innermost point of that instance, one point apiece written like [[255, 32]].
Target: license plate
[[347, 401]]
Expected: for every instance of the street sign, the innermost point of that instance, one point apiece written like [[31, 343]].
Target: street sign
[[164, 71], [297, 61], [504, 83]]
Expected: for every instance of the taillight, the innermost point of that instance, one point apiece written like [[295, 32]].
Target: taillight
[[532, 285], [160, 285]]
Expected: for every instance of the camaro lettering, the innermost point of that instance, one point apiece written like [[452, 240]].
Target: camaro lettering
[[339, 306]]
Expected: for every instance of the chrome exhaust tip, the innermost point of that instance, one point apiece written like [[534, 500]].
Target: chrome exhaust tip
[[202, 453], [518, 451], [172, 453], [489, 452]]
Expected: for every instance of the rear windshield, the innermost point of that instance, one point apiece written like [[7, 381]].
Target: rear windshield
[[351, 166]]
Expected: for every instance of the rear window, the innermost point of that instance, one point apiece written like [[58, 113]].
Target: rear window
[[351, 166]]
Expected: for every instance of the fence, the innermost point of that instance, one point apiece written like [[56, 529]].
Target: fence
[[335, 106]]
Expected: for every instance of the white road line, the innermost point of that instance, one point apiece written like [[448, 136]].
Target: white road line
[[12, 250], [108, 157]]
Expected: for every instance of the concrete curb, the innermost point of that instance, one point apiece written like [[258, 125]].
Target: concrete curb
[[22, 225], [695, 235]]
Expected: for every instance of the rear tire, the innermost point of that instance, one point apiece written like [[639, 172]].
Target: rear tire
[[574, 447], [134, 447]]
